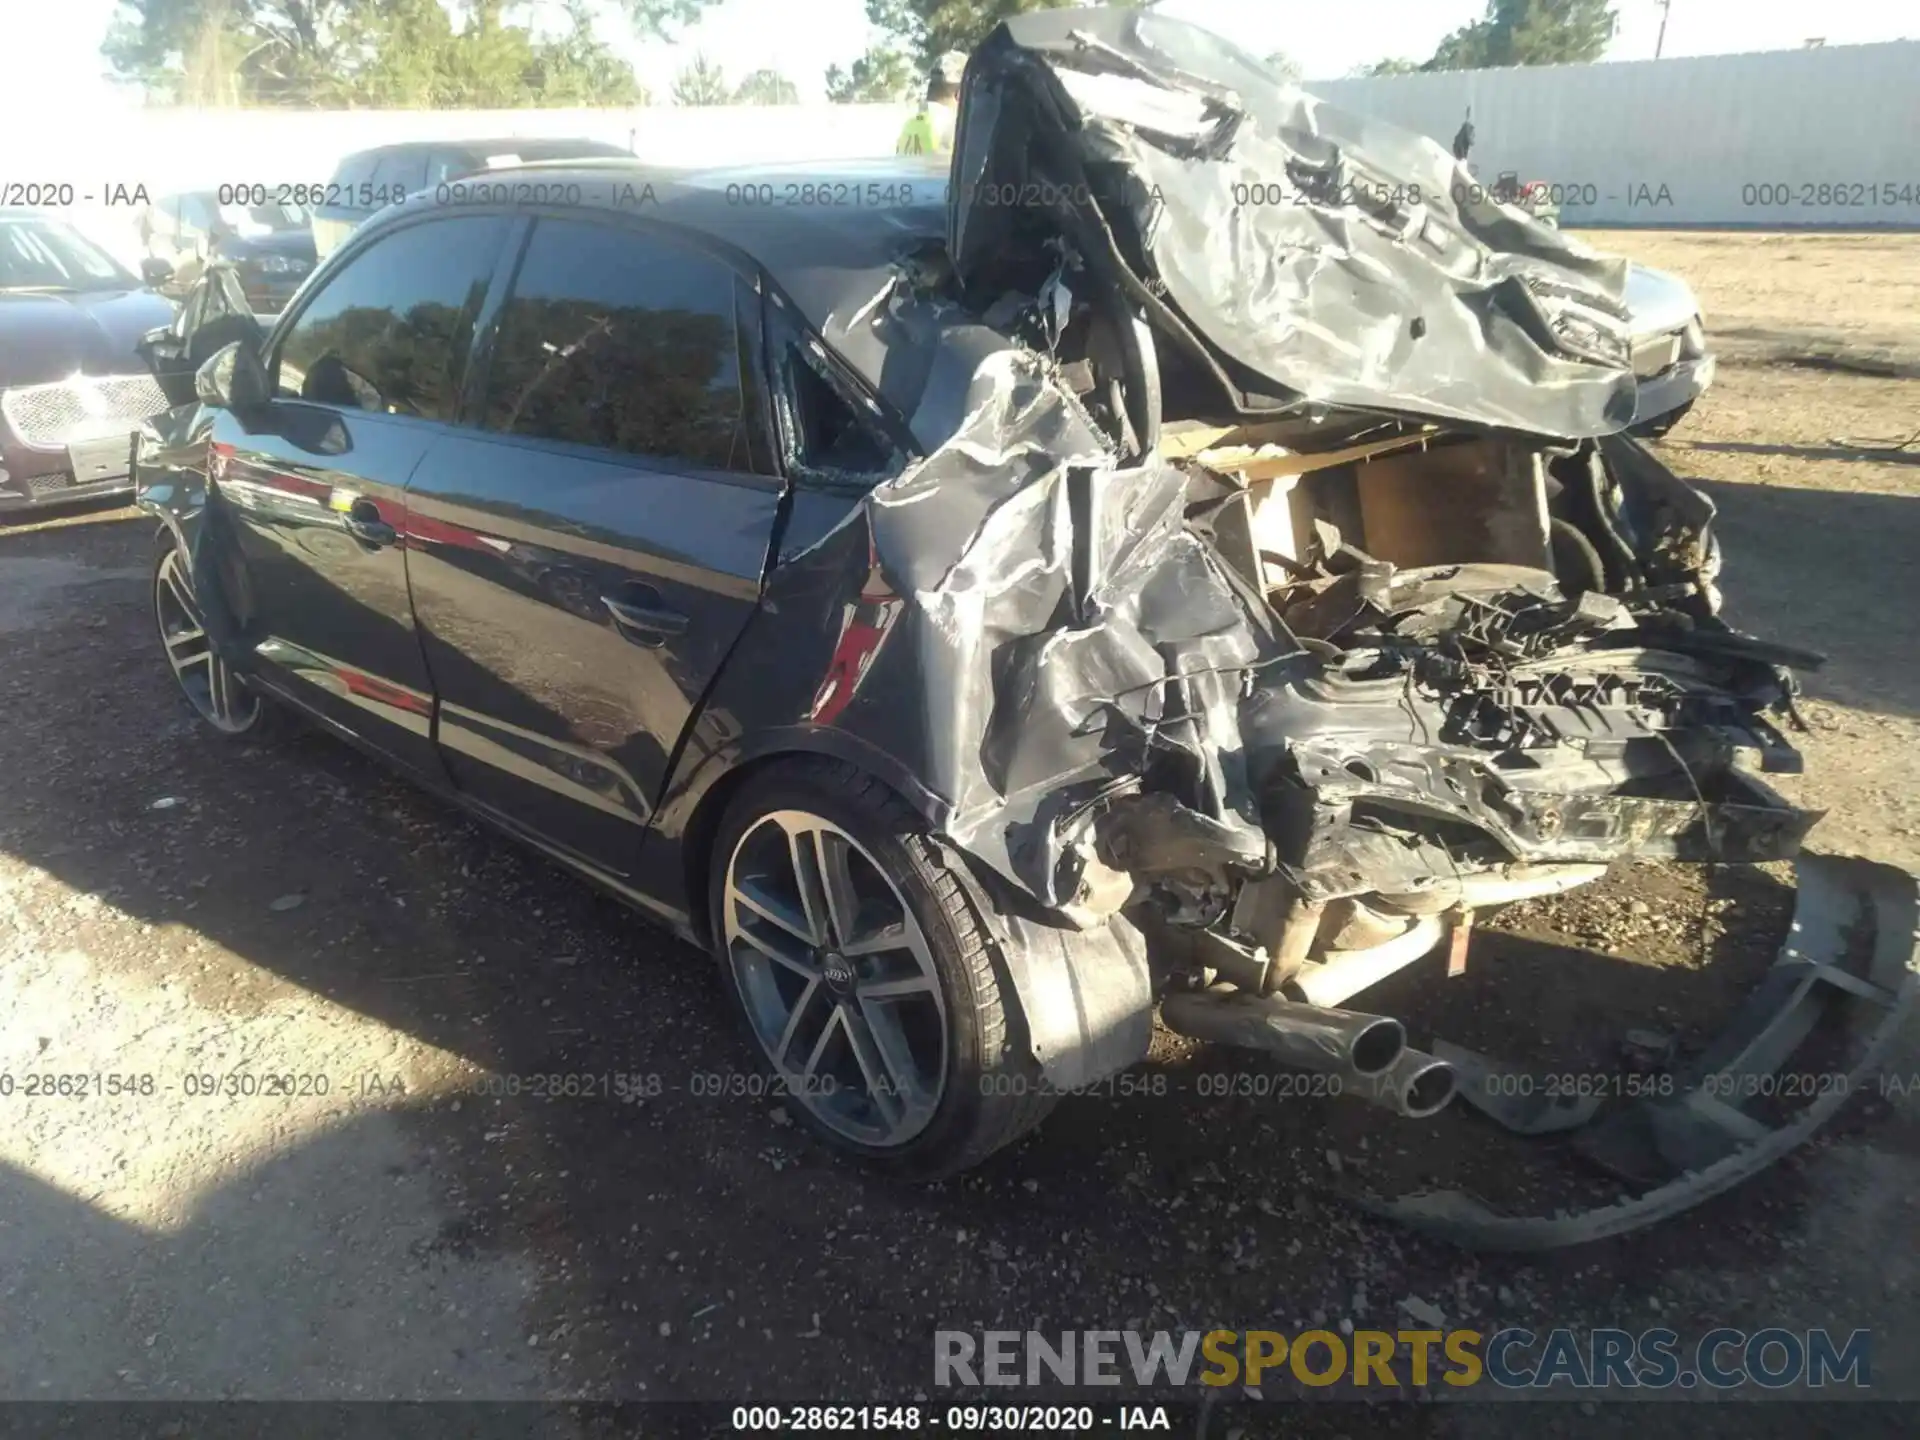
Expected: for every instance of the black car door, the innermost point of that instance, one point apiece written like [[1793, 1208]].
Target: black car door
[[365, 378], [581, 569]]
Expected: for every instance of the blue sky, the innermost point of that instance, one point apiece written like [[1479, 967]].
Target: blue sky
[[803, 37]]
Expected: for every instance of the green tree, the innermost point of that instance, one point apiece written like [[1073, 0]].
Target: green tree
[[882, 74], [376, 52], [1285, 66], [1528, 32], [916, 32], [1387, 67], [767, 87], [701, 83], [579, 69]]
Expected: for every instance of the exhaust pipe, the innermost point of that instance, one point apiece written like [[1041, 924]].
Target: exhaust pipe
[[1368, 1052], [1335, 1042], [1344, 973], [1416, 1085]]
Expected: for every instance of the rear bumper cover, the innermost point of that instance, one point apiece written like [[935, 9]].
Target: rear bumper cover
[[1701, 1140]]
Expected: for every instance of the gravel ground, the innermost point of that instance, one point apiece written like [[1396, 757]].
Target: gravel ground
[[380, 1226]]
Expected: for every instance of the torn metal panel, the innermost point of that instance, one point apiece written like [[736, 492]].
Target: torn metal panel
[[1696, 1144], [1039, 645], [1305, 255]]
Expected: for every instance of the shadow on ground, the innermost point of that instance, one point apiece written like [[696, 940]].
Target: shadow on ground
[[1828, 570], [1854, 454]]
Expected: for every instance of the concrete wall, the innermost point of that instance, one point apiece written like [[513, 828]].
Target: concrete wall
[[1827, 137], [113, 152]]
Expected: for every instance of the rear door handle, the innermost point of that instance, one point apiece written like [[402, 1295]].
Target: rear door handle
[[363, 522], [641, 615]]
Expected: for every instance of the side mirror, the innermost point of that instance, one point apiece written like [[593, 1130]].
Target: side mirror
[[233, 379], [155, 271]]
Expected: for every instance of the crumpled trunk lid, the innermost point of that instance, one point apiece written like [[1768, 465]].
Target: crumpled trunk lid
[[1297, 254]]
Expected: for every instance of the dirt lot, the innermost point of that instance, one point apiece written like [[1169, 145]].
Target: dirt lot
[[173, 908]]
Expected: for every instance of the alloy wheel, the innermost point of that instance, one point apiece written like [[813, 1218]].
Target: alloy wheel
[[210, 684], [836, 978]]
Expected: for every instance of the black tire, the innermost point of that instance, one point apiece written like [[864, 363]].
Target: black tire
[[992, 1092], [250, 715]]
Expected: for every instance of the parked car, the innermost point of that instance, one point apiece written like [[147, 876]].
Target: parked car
[[72, 386], [270, 245], [368, 180], [976, 620]]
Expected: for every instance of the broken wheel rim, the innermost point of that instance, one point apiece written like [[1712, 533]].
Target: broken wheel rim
[[836, 978]]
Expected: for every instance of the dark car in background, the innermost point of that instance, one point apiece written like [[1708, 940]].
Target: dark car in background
[[73, 386], [370, 180], [270, 245]]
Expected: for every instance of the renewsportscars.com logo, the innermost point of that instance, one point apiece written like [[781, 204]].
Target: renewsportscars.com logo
[[1511, 1359]]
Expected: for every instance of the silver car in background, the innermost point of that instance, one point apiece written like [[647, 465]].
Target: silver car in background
[[73, 385]]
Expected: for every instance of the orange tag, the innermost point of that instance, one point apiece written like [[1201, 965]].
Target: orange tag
[[1457, 947]]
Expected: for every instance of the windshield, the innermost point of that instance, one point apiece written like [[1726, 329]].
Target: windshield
[[43, 254], [264, 219]]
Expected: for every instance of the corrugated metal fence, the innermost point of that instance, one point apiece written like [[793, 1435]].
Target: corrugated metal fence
[[1823, 137]]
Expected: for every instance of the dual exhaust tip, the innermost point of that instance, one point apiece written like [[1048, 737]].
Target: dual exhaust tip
[[1369, 1053]]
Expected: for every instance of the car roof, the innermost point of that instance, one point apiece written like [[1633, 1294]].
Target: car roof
[[500, 145], [832, 249]]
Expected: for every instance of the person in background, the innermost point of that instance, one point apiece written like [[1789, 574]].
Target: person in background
[[930, 131]]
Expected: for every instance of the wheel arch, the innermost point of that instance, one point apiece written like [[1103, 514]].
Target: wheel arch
[[712, 789], [1081, 1000]]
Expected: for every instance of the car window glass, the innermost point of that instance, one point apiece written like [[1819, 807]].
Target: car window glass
[[446, 165], [195, 213], [390, 330], [43, 254], [353, 170], [622, 341], [408, 170], [831, 435]]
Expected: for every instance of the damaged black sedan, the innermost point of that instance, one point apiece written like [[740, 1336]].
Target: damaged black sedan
[[983, 607]]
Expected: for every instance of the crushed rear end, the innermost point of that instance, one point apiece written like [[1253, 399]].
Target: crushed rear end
[[1347, 610]]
